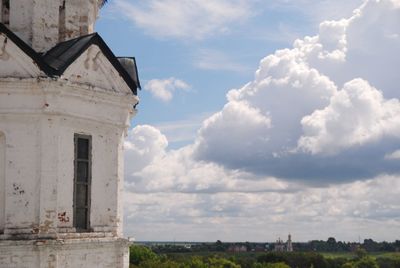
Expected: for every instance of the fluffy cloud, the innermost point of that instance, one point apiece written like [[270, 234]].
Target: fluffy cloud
[[143, 145], [318, 132], [356, 115], [150, 168], [185, 19], [163, 89], [242, 128], [324, 113]]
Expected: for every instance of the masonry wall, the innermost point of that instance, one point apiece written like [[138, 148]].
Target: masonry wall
[[39, 122], [99, 253], [44, 23]]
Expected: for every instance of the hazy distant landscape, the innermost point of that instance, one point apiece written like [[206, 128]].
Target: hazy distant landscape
[[318, 254]]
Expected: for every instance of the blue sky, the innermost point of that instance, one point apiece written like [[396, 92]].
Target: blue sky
[[235, 54], [260, 118]]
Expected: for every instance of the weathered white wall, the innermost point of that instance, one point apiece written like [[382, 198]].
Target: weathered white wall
[[40, 25], [81, 17], [45, 24], [21, 177], [39, 119], [99, 253], [2, 179], [21, 18], [93, 68], [14, 62]]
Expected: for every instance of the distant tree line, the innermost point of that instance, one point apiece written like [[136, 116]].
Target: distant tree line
[[330, 245], [144, 257]]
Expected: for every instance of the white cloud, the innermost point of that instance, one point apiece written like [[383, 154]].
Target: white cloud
[[371, 48], [318, 11], [323, 113], [356, 115], [234, 132], [393, 156], [164, 89], [143, 144], [185, 19], [344, 211], [297, 89]]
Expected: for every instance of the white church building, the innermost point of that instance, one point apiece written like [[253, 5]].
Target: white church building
[[65, 106]]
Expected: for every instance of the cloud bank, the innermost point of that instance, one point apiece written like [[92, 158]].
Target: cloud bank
[[312, 142], [193, 19]]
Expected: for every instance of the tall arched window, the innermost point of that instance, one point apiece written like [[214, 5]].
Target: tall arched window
[[2, 180]]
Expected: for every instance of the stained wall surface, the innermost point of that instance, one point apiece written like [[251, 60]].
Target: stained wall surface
[[40, 120], [2, 179], [44, 23], [92, 253]]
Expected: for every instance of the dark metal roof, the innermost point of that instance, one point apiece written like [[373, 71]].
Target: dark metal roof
[[55, 61], [129, 64], [64, 53]]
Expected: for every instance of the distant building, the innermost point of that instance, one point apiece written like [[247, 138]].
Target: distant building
[[280, 246], [289, 246], [237, 248]]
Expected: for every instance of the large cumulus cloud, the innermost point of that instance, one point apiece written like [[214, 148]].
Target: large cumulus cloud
[[331, 103], [324, 113]]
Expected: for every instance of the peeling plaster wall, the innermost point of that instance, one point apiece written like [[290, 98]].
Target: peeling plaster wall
[[44, 23], [14, 62], [105, 181], [99, 253], [21, 186], [80, 18], [93, 68], [21, 18], [39, 119]]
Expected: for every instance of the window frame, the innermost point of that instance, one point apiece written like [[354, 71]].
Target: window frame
[[88, 184]]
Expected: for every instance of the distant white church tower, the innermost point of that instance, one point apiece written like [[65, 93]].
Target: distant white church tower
[[65, 106], [289, 245]]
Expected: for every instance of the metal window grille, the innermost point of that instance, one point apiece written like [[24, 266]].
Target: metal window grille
[[82, 182]]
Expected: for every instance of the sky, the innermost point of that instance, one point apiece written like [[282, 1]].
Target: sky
[[261, 118]]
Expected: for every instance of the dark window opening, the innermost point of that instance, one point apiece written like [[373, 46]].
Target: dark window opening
[[61, 22], [5, 12], [82, 180]]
